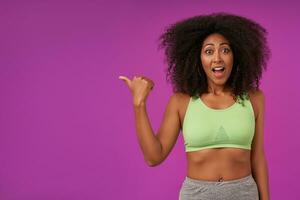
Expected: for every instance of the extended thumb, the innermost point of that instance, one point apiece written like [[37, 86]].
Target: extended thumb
[[124, 78]]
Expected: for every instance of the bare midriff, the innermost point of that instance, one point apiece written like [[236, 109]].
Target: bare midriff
[[218, 164]]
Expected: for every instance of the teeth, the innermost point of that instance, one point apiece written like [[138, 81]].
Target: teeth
[[217, 68]]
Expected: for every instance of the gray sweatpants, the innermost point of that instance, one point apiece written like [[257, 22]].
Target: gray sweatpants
[[238, 189]]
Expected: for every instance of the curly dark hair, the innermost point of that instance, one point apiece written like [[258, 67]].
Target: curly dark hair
[[182, 43]]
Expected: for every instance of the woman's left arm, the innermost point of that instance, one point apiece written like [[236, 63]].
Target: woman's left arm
[[259, 165]]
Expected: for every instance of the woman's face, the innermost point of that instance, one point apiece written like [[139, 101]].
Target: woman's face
[[217, 59]]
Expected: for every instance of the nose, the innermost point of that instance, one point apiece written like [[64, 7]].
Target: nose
[[217, 57]]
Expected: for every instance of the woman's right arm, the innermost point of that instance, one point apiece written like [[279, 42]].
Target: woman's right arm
[[155, 148]]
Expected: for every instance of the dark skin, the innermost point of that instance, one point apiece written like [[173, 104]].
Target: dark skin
[[215, 163], [212, 163]]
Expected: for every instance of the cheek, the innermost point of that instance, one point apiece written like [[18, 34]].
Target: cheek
[[205, 61], [229, 59], [229, 71]]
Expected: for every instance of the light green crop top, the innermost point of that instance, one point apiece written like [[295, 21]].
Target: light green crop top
[[205, 127]]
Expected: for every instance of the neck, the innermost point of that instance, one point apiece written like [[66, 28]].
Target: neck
[[218, 89]]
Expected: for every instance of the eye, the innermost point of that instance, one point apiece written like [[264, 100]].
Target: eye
[[226, 50], [208, 51]]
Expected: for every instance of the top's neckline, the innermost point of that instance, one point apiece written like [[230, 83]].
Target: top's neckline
[[217, 110]]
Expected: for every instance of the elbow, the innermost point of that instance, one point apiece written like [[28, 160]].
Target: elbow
[[153, 163], [154, 160]]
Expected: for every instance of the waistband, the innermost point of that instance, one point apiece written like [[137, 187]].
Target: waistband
[[207, 182]]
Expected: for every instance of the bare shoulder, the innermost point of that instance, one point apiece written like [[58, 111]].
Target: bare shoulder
[[257, 95], [180, 98], [182, 101], [257, 99], [180, 95]]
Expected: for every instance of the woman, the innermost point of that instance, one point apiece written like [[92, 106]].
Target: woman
[[215, 63]]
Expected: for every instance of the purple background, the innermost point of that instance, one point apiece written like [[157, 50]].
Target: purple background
[[67, 126]]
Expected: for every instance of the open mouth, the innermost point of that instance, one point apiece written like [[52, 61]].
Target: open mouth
[[218, 69]]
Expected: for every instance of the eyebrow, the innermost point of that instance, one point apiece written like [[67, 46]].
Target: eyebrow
[[213, 44]]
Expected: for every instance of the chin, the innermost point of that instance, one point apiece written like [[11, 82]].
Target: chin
[[220, 81]]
